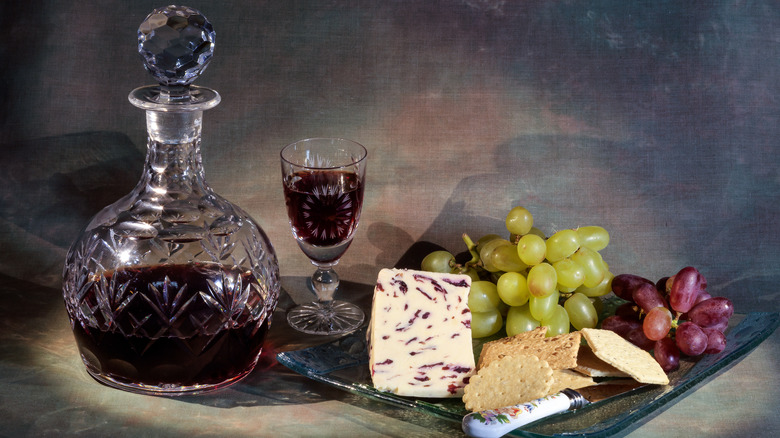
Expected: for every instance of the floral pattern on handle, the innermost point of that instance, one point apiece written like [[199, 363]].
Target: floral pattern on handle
[[503, 415]]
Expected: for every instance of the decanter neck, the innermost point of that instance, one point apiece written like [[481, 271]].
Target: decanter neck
[[173, 162], [174, 127]]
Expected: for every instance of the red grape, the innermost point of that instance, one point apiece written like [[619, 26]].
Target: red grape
[[623, 285], [685, 288], [628, 310], [716, 340], [629, 329], [637, 337], [657, 323], [668, 285], [712, 312], [620, 324], [721, 326], [661, 285], [667, 354], [674, 316], [703, 295], [690, 339], [648, 297]]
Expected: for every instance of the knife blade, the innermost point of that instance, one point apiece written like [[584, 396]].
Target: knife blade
[[494, 423]]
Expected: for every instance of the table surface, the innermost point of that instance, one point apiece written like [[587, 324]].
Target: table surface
[[657, 120]]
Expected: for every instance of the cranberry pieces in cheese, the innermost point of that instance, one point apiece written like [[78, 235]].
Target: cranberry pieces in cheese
[[420, 333]]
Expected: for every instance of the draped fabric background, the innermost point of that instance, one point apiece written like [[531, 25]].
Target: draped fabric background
[[657, 120]]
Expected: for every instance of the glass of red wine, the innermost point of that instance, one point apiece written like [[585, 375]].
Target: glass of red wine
[[323, 182]]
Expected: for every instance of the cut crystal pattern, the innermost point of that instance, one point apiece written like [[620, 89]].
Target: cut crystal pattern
[[176, 43], [171, 289], [329, 198], [103, 300]]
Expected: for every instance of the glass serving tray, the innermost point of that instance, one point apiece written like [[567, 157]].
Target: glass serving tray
[[343, 364]]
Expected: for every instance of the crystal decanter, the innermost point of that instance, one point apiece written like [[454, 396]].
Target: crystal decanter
[[171, 289]]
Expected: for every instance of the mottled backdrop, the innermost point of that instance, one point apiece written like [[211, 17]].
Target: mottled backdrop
[[657, 120]]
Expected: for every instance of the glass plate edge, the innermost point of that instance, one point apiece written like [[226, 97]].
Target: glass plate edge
[[763, 323]]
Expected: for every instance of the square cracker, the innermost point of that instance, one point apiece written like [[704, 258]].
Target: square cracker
[[590, 365], [560, 351], [508, 381], [625, 356], [496, 349], [563, 379]]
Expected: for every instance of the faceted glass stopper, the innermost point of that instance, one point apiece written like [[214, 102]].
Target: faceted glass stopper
[[176, 43]]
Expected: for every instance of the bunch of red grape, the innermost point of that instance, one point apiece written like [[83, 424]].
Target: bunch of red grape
[[674, 316]]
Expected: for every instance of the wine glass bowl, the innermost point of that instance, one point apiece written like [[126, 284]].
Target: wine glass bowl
[[323, 181]]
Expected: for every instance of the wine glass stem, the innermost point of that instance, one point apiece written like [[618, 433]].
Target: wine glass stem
[[325, 281]]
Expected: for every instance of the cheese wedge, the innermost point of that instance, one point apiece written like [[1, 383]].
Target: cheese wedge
[[420, 334]]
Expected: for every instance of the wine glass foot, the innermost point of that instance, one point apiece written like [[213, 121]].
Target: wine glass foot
[[326, 318]]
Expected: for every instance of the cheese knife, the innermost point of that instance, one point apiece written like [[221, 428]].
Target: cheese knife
[[494, 423]]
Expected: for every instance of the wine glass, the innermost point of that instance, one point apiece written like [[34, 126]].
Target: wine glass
[[323, 182]]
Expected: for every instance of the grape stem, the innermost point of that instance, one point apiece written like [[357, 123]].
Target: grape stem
[[472, 247], [676, 320], [642, 313]]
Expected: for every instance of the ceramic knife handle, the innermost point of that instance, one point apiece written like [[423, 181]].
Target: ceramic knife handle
[[497, 422]]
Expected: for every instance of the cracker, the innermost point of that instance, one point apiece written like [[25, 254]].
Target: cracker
[[625, 356], [563, 379], [496, 349], [590, 365], [560, 351], [508, 381]]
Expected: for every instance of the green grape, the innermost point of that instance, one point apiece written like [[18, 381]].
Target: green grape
[[592, 263], [561, 245], [557, 323], [505, 258], [531, 249], [438, 261], [598, 304], [581, 312], [503, 308], [486, 253], [483, 296], [535, 231], [519, 320], [471, 272], [594, 237], [485, 239], [542, 308], [570, 275], [519, 220], [486, 323], [600, 289], [542, 280], [494, 276], [513, 288]]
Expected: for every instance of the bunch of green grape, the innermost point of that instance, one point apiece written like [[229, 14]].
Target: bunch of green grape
[[529, 280]]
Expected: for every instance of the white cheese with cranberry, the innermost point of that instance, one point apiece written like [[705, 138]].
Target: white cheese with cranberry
[[420, 333]]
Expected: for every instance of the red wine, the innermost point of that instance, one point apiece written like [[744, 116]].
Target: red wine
[[176, 328], [324, 205]]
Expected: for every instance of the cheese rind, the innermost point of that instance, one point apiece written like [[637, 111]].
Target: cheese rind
[[420, 333]]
